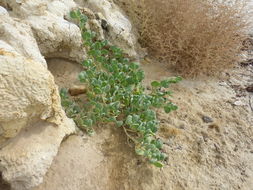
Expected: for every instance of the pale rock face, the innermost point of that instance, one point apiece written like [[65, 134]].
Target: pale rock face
[[56, 37], [32, 114], [60, 8], [3, 11], [32, 122], [28, 94], [15, 33], [25, 8], [27, 91], [26, 158], [119, 27], [59, 38]]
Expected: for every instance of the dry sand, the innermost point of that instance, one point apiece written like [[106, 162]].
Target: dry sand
[[202, 156]]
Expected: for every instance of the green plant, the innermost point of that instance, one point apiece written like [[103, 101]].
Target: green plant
[[115, 93]]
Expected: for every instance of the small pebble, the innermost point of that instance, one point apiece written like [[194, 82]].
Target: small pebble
[[207, 119], [179, 148], [77, 90], [104, 24], [238, 103], [250, 88], [223, 83]]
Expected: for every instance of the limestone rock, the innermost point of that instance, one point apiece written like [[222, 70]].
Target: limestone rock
[[27, 91], [119, 27], [26, 158], [20, 36], [56, 37], [32, 123], [31, 118], [3, 11]]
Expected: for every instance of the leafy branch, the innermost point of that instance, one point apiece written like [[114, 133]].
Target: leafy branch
[[115, 94]]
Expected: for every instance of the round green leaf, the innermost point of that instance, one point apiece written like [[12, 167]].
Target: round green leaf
[[140, 152], [155, 84], [73, 14], [119, 123], [157, 164]]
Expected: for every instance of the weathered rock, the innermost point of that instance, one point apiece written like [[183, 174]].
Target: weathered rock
[[20, 36], [56, 37], [26, 158], [3, 11], [26, 8], [28, 95], [27, 91], [119, 28], [77, 90], [207, 119], [32, 123], [249, 88]]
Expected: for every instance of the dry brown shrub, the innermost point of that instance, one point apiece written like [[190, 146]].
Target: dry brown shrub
[[195, 36]]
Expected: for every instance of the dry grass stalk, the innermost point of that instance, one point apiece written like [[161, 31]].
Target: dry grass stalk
[[195, 36]]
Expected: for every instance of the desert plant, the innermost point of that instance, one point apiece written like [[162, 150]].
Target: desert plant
[[115, 94], [195, 36]]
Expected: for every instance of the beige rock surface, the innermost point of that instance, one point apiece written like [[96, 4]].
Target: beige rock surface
[[27, 91], [119, 27], [20, 36], [27, 157], [57, 37], [31, 118], [32, 123]]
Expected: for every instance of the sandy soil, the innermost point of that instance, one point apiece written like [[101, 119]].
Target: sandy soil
[[213, 156]]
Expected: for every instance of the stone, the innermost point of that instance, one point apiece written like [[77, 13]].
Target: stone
[[19, 35], [238, 103], [77, 90], [207, 119], [32, 123], [3, 11], [55, 36], [249, 88], [27, 91], [119, 28], [26, 158]]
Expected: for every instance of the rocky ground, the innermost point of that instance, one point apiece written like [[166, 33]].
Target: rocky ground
[[208, 139]]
